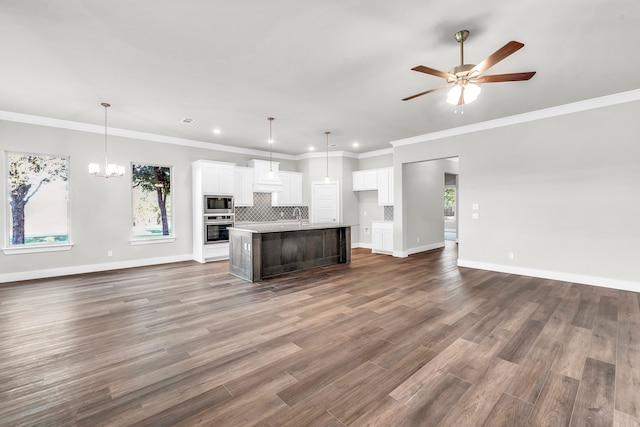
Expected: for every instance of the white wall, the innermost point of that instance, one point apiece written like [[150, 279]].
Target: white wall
[[423, 208], [100, 208], [546, 191]]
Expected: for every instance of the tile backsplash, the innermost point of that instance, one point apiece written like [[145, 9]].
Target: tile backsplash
[[388, 213], [263, 211]]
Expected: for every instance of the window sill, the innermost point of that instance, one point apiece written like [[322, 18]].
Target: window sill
[[152, 241], [32, 249]]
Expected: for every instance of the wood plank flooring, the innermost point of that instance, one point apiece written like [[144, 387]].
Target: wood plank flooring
[[381, 342]]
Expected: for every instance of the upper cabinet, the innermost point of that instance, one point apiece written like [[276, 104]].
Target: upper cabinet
[[376, 179], [365, 180], [215, 177], [385, 187], [291, 194], [243, 186]]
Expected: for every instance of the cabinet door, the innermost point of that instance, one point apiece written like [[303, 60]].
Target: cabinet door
[[370, 180], [243, 187], [385, 187], [226, 178], [358, 180], [210, 183], [217, 179], [296, 189], [291, 194], [376, 239], [387, 240]]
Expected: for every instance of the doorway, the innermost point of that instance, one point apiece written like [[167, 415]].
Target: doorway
[[324, 202], [450, 206]]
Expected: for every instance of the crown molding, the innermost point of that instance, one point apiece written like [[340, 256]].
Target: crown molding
[[588, 104], [323, 154], [145, 136], [560, 110]]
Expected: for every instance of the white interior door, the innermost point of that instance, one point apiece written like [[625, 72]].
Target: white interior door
[[324, 203]]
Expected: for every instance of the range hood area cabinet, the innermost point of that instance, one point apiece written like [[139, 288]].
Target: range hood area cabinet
[[263, 181], [214, 177]]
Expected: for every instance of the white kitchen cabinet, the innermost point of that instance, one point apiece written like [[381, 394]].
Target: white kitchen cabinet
[[243, 194], [365, 180], [382, 237], [209, 177], [217, 178], [385, 187], [291, 194]]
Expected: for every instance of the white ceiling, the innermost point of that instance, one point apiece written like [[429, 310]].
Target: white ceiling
[[336, 65]]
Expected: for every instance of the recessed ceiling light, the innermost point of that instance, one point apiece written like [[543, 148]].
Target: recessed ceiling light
[[312, 148], [217, 131], [187, 121], [356, 144]]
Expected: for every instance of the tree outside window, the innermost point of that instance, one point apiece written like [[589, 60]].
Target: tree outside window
[[151, 201], [450, 204], [38, 199]]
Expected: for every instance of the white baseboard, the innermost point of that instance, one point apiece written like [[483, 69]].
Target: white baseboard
[[90, 268], [418, 249], [554, 275], [361, 245]]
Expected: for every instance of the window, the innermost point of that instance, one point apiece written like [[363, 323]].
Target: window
[[450, 203], [38, 199], [151, 201]]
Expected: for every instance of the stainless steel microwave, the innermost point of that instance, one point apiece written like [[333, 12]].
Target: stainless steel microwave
[[218, 204]]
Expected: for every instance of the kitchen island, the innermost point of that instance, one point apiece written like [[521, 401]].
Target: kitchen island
[[258, 251]]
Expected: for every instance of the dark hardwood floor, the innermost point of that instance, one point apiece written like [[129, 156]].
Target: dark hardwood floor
[[381, 342]]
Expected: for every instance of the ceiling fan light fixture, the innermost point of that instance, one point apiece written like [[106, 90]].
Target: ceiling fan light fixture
[[470, 92]]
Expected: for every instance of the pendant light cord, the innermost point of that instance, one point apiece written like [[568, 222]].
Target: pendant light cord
[[106, 156]]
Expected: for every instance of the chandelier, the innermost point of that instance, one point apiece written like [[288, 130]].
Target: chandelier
[[111, 170]]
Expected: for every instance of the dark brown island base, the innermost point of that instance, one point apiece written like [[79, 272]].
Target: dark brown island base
[[265, 250]]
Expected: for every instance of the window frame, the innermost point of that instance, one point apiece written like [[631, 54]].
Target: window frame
[[152, 239], [9, 248]]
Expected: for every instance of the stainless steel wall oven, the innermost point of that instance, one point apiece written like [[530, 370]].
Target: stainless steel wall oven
[[216, 228]]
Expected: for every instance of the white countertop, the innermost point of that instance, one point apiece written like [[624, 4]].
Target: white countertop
[[276, 227]]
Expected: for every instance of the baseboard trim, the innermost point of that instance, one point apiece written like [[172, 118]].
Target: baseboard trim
[[90, 268], [554, 275], [361, 245], [418, 249]]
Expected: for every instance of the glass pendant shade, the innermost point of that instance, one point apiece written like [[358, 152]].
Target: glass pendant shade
[[470, 94]]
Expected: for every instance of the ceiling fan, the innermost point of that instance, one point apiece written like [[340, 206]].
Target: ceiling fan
[[465, 79]]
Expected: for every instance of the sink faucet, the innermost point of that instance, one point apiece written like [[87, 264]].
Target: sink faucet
[[297, 216]]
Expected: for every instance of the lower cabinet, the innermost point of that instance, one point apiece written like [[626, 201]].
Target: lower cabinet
[[382, 237]]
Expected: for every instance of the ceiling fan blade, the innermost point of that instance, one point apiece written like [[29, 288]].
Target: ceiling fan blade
[[496, 57], [424, 93], [511, 77], [432, 71]]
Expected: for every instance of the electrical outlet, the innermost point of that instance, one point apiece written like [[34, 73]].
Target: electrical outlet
[[281, 214], [109, 252], [511, 256], [475, 215], [417, 239]]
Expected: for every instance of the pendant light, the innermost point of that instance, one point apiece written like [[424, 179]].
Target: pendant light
[[111, 170], [270, 146], [326, 178]]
